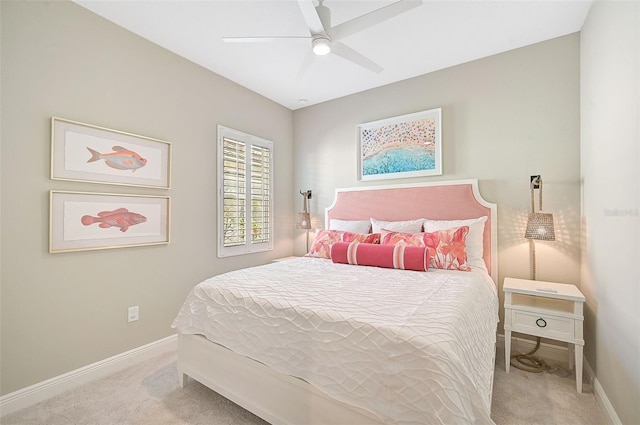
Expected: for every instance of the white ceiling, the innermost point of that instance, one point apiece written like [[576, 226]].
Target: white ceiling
[[432, 36]]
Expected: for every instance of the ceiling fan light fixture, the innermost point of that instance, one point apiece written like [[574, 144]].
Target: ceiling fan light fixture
[[321, 45]]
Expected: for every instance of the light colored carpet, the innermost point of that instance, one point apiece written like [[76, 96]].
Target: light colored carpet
[[148, 394]]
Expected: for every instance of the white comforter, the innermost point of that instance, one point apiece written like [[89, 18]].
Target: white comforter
[[411, 347]]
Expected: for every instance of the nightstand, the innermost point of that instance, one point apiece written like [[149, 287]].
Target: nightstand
[[544, 309]]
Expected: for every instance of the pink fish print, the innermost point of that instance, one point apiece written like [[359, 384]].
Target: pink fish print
[[120, 159], [121, 218]]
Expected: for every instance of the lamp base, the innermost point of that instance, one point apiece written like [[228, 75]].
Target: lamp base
[[532, 251], [307, 241]]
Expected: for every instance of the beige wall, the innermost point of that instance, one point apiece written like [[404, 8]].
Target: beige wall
[[504, 117], [610, 107], [64, 311]]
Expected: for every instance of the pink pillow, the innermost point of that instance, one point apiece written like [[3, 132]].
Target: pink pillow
[[446, 247], [389, 256], [321, 246]]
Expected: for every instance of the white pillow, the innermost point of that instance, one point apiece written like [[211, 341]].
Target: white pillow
[[474, 242], [353, 226], [406, 226]]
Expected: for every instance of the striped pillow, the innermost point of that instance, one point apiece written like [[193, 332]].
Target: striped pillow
[[390, 256]]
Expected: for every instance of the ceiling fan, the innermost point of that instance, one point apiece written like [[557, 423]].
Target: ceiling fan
[[325, 39]]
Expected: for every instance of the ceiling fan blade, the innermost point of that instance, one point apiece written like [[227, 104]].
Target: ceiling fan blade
[[262, 39], [351, 55], [311, 16], [365, 21]]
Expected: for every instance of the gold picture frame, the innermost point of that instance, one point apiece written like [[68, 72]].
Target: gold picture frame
[[80, 221], [88, 153]]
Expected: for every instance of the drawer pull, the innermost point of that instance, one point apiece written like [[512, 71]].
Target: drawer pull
[[541, 323]]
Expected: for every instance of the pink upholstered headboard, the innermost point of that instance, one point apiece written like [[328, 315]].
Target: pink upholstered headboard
[[448, 200]]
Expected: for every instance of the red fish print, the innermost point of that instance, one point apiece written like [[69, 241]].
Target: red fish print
[[120, 159], [121, 218]]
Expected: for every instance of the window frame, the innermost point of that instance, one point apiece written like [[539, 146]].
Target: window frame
[[247, 247]]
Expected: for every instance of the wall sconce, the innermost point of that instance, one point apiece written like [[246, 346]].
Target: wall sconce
[[539, 224], [539, 227], [303, 220]]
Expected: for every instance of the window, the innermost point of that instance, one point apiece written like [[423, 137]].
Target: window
[[245, 193]]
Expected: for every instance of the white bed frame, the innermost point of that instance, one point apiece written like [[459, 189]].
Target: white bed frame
[[283, 399]]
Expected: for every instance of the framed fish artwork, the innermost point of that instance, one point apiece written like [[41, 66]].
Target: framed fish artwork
[[81, 221], [83, 152]]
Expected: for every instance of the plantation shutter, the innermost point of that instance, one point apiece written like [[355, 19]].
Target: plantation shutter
[[234, 192], [260, 194], [245, 193]]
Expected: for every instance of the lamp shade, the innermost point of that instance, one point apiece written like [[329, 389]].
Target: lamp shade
[[303, 221], [540, 227]]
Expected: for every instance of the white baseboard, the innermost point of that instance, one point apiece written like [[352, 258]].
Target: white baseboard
[[44, 390], [560, 354], [601, 397], [605, 404]]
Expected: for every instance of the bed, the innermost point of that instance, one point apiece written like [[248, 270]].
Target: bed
[[321, 341]]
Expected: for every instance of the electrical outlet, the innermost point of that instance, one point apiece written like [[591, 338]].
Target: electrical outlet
[[133, 313]]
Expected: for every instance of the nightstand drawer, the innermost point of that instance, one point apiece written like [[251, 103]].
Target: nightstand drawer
[[544, 325]]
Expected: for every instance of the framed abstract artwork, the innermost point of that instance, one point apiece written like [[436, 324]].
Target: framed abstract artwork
[[400, 147], [85, 221], [83, 152]]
